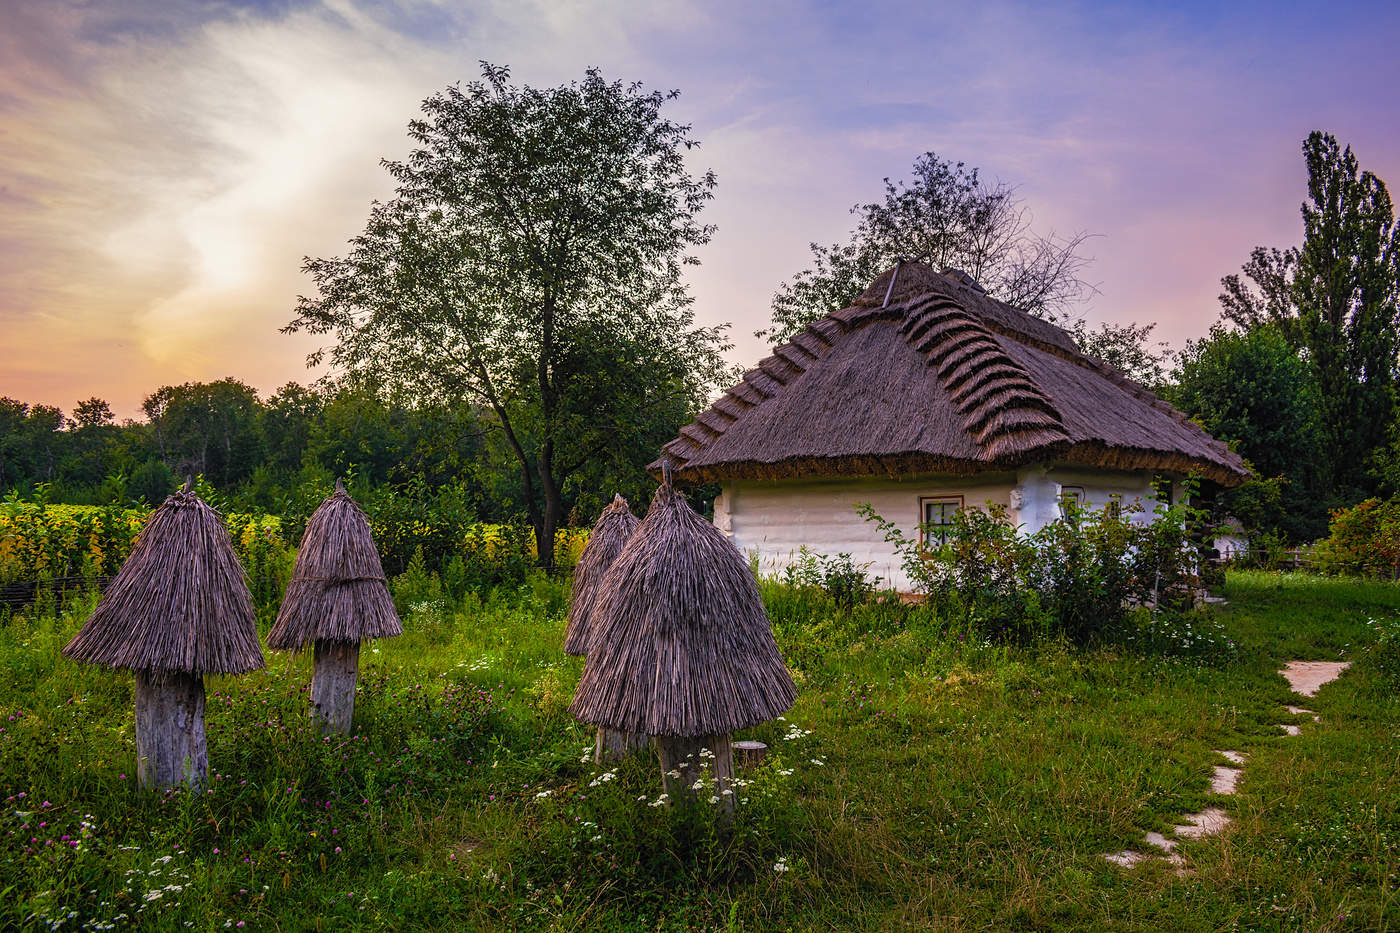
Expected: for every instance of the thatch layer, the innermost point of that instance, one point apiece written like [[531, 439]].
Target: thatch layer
[[614, 526], [679, 644], [943, 379], [338, 590], [180, 602]]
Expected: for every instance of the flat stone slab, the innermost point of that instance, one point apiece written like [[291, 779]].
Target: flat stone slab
[[1233, 757], [1160, 841], [1127, 858], [1223, 780], [1307, 677], [1299, 711], [1208, 822], [1289, 729]]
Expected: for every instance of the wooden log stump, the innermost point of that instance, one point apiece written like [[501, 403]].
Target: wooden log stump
[[612, 746], [684, 761], [171, 747], [748, 754], [333, 685]]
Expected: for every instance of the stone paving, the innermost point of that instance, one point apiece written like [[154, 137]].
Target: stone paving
[[1305, 678]]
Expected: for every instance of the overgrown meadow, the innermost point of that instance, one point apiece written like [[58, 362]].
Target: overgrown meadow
[[928, 777]]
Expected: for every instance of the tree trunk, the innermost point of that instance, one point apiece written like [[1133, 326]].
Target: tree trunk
[[170, 743], [684, 761], [333, 685], [612, 746]]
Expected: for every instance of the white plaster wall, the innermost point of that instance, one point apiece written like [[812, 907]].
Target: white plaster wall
[[774, 519]]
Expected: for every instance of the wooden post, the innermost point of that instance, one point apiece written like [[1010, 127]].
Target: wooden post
[[684, 759], [612, 746], [170, 743], [747, 754], [333, 684]]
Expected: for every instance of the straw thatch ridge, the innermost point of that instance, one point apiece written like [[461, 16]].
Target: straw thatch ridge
[[679, 644], [338, 590], [943, 379], [614, 526], [180, 602]]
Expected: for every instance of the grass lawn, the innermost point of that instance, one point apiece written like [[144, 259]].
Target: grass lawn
[[924, 780]]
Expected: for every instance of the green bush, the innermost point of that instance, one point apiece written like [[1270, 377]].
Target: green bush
[[1363, 540], [1079, 576]]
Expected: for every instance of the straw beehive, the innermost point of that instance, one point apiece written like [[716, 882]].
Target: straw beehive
[[680, 647], [178, 609], [614, 526], [338, 597], [612, 530]]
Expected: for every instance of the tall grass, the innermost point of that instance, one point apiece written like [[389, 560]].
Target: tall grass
[[929, 777]]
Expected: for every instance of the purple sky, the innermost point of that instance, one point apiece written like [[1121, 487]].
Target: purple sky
[[164, 167]]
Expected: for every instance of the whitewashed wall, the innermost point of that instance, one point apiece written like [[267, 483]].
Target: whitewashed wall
[[774, 519]]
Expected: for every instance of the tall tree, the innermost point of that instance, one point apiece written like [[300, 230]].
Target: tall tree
[[948, 214], [1335, 301], [1251, 389], [530, 230]]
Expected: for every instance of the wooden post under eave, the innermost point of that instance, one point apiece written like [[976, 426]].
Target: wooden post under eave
[[337, 666], [613, 746], [171, 747], [684, 760]]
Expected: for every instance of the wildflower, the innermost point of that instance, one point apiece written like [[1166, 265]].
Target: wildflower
[[781, 865]]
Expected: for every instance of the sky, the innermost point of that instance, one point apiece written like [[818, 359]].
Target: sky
[[166, 166]]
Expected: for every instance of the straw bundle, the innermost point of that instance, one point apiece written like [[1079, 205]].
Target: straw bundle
[[679, 644], [614, 526], [180, 602], [338, 590]]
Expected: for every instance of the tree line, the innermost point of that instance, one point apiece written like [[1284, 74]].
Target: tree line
[[513, 324]]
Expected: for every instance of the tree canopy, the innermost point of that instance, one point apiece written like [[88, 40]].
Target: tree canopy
[[530, 261], [950, 216], [1334, 299]]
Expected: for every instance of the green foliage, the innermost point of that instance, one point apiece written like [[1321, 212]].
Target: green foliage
[[1078, 576], [949, 216], [530, 262], [1364, 540], [1251, 389], [1336, 301], [1129, 348], [837, 577]]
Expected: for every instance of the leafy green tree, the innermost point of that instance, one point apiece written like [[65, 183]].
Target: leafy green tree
[[286, 421], [1127, 347], [948, 215], [532, 233], [1251, 389], [1335, 300], [210, 428]]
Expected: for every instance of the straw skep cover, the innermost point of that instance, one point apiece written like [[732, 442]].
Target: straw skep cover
[[679, 644], [614, 526], [338, 590], [180, 602]]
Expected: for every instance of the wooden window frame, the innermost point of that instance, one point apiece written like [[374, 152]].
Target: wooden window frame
[[1075, 493], [924, 503]]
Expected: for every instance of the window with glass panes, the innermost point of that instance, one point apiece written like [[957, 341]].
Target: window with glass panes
[[939, 514]]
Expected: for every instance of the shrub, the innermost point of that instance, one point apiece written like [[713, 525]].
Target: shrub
[[1078, 576], [1363, 540]]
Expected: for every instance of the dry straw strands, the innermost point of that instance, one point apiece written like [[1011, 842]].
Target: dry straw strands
[[614, 526], [944, 379], [679, 644], [179, 603], [338, 590]]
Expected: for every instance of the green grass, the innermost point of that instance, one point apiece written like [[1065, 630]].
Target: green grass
[[946, 784]]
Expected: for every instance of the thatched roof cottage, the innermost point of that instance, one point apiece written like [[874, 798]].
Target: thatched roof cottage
[[920, 400]]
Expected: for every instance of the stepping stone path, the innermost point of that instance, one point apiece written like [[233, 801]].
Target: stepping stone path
[[1305, 678]]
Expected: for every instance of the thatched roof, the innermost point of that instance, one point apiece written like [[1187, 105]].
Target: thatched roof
[[614, 526], [338, 590], [943, 379], [179, 603], [678, 642]]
